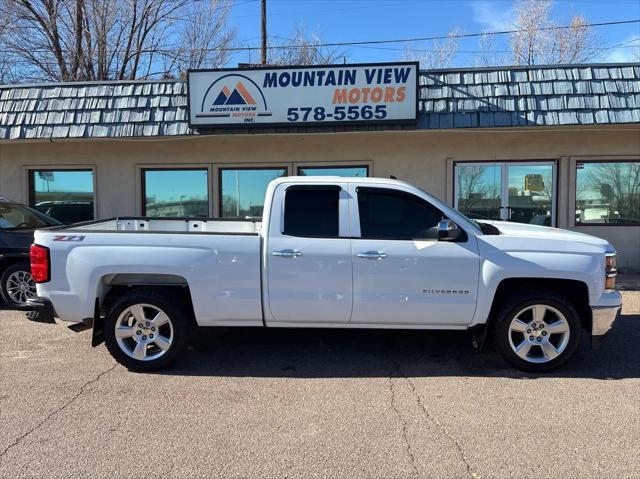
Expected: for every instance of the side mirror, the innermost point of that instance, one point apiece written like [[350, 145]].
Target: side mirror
[[449, 231]]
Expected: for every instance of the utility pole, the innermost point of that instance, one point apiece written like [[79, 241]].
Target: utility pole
[[264, 32]]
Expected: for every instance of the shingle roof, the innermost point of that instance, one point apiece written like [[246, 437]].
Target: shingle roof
[[530, 96], [94, 110], [452, 98]]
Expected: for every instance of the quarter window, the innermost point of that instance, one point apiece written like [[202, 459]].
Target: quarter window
[[608, 193], [391, 214], [66, 195], [312, 211], [175, 192], [242, 191]]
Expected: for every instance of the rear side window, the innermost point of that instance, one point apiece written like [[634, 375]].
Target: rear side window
[[390, 214], [311, 211]]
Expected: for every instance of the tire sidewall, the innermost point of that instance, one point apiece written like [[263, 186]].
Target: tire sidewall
[[501, 333], [8, 271], [179, 323]]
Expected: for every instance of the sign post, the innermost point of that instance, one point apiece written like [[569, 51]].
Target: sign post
[[298, 96]]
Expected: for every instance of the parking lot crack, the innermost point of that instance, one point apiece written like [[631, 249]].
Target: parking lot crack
[[442, 428], [80, 392], [404, 426]]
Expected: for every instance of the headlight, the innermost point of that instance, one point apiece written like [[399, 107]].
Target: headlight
[[611, 271]]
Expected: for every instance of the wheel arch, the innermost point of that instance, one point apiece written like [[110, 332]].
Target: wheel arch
[[577, 292], [113, 286]]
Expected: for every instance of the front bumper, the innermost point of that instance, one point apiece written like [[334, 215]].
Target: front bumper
[[40, 310], [602, 319]]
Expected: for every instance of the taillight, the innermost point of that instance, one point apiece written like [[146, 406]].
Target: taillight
[[40, 264], [611, 271]]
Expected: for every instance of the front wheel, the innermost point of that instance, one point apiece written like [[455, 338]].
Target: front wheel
[[145, 330], [537, 331]]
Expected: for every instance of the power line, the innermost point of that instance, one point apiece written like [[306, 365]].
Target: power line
[[417, 39]]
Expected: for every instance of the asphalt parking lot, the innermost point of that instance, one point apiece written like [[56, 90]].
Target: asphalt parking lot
[[310, 403]]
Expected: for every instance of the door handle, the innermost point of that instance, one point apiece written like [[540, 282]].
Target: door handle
[[287, 253], [372, 255]]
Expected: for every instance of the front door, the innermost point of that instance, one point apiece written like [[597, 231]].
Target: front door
[[308, 255], [402, 274], [523, 192]]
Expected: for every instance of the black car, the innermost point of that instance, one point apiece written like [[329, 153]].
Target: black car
[[67, 212], [17, 223]]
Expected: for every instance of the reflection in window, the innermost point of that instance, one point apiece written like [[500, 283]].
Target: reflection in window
[[608, 193], [66, 195], [357, 171], [243, 190], [176, 192], [478, 191]]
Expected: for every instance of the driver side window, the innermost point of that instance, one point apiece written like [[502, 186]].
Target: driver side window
[[392, 214]]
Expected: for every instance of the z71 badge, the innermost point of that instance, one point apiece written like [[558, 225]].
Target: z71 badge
[[68, 238]]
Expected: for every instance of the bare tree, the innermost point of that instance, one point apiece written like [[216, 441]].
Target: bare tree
[[488, 54], [4, 56], [539, 40], [69, 40], [302, 49], [440, 53]]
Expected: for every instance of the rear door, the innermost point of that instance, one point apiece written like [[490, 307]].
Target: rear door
[[402, 273], [308, 255]]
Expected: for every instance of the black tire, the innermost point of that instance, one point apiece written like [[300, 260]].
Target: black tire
[[21, 266], [519, 302], [172, 306]]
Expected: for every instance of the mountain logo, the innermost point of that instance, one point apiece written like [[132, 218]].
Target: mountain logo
[[238, 96]]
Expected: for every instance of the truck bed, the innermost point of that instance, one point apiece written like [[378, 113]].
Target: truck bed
[[167, 225]]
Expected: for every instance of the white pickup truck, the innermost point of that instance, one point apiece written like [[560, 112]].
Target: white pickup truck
[[330, 253]]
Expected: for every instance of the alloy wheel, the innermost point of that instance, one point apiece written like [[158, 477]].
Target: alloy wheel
[[144, 332], [20, 287], [539, 333]]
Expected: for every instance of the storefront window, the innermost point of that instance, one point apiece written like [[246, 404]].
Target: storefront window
[[242, 190], [358, 171], [66, 195], [176, 192], [608, 193]]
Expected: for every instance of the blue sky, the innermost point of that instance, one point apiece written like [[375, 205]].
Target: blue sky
[[354, 20]]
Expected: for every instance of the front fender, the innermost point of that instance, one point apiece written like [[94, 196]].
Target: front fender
[[584, 264]]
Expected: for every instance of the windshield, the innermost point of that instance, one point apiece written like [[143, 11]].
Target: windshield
[[18, 217]]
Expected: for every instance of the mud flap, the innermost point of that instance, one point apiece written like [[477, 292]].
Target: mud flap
[[97, 337]]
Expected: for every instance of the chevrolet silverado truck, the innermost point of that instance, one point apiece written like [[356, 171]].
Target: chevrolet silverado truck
[[330, 252]]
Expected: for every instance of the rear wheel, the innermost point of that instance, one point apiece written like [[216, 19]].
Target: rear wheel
[[537, 331], [146, 330], [17, 285]]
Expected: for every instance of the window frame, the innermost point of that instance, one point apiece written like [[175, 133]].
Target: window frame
[[574, 197], [221, 169], [398, 192], [30, 169], [143, 186], [299, 168]]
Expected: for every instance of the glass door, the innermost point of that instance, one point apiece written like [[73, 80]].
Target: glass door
[[530, 193], [519, 192]]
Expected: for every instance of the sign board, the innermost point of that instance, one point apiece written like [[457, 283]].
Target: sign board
[[328, 94]]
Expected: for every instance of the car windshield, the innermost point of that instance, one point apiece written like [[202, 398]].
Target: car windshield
[[18, 217]]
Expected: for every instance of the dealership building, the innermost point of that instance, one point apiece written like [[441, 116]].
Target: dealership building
[[546, 145]]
